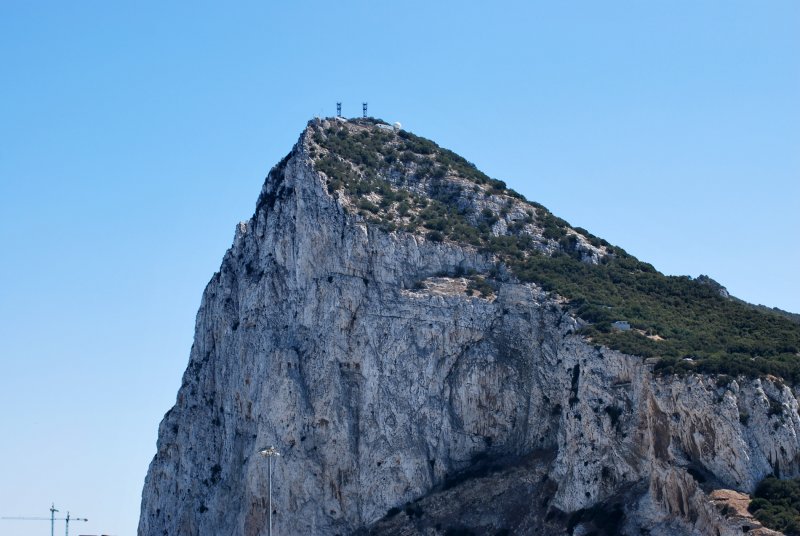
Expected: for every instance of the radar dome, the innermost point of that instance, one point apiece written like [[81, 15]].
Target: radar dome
[[397, 125]]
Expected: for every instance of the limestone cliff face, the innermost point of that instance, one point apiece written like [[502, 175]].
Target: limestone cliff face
[[357, 353]]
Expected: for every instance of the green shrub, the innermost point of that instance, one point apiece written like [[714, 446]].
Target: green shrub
[[435, 236], [775, 407], [776, 504], [701, 331], [368, 205], [744, 417], [481, 285]]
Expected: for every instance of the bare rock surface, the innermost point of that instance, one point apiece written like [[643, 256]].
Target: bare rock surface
[[385, 386]]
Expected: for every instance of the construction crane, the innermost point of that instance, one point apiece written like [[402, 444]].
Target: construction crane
[[52, 519]]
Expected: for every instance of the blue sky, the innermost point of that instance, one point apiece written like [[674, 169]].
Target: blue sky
[[133, 137]]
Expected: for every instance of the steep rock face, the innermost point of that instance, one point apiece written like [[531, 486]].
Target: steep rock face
[[358, 355]]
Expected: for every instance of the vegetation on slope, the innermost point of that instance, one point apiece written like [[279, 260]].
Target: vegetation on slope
[[776, 504], [402, 182]]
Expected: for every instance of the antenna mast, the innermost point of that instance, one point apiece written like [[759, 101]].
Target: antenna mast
[[364, 109], [338, 109]]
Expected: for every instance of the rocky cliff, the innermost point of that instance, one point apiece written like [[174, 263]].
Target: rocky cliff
[[414, 385]]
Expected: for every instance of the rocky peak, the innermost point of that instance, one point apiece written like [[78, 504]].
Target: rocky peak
[[430, 355], [706, 280], [402, 182]]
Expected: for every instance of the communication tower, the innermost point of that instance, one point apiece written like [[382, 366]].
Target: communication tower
[[364, 109]]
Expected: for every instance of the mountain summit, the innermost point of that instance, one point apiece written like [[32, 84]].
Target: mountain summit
[[433, 354]]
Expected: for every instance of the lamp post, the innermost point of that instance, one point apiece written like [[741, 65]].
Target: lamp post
[[269, 453]]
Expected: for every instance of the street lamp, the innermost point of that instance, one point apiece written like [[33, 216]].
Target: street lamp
[[269, 453]]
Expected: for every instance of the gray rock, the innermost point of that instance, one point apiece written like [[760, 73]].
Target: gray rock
[[379, 379]]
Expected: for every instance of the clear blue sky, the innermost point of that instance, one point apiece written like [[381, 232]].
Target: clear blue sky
[[134, 137]]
